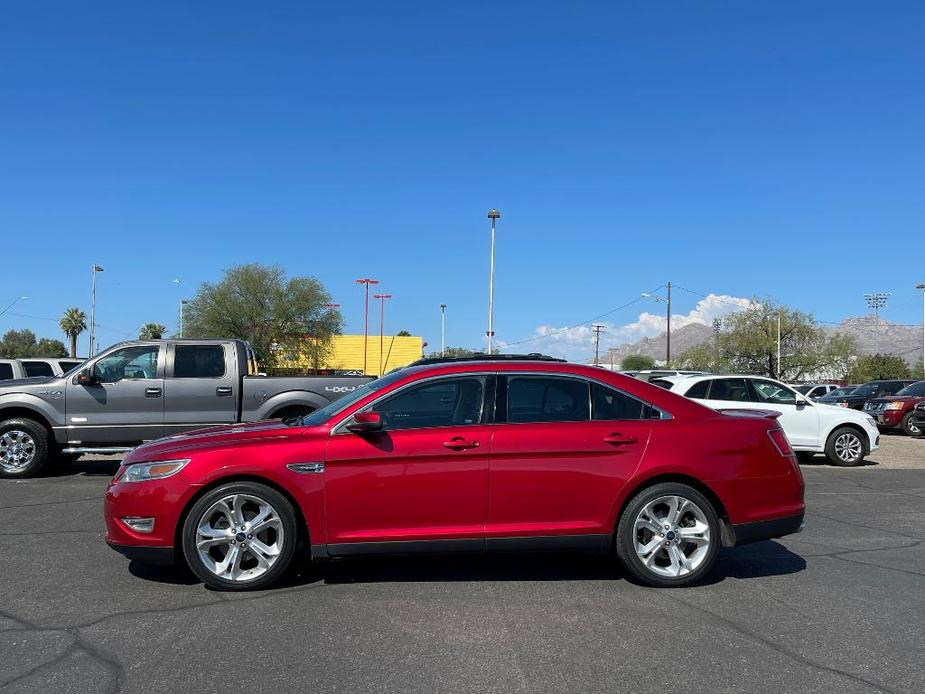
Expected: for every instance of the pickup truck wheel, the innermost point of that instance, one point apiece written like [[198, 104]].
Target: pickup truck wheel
[[908, 427], [845, 447], [240, 536], [23, 448], [288, 414], [668, 535]]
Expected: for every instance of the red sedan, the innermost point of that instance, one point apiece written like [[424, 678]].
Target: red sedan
[[472, 455]]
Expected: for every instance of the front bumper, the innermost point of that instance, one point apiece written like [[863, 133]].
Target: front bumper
[[888, 419], [746, 533]]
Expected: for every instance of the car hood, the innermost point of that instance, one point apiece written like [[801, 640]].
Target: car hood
[[897, 398], [212, 437]]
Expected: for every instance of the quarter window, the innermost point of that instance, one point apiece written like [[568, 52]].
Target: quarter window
[[609, 404], [729, 389], [199, 361], [6, 372], [37, 368], [774, 393], [443, 403], [698, 390], [547, 399]]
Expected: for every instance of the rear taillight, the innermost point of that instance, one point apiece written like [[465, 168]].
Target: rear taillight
[[779, 439]]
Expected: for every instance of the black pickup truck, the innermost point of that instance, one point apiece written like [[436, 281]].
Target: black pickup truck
[[143, 390]]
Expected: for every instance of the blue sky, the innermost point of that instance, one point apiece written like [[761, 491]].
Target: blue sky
[[741, 149]]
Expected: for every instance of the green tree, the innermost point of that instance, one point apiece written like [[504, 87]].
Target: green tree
[[402, 333], [746, 342], [152, 331], [73, 322], [637, 362], [454, 352], [875, 366], [282, 317], [18, 343], [50, 348]]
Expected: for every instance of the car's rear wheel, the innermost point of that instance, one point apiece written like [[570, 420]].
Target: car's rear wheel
[[845, 447], [240, 536], [23, 448], [908, 426], [668, 535]]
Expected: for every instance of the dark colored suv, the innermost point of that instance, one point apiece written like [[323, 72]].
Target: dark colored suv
[[867, 391], [898, 411]]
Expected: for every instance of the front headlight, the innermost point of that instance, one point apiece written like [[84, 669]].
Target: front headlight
[[893, 406], [871, 421], [140, 472]]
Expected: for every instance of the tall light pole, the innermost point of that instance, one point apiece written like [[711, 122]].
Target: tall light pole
[[96, 269], [366, 281], [667, 302], [597, 329], [779, 311], [493, 214], [183, 302], [877, 301], [12, 304], [442, 330], [382, 298], [922, 287]]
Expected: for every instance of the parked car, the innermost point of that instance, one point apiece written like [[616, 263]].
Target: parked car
[[143, 390], [918, 418], [898, 411], [33, 367], [573, 456], [813, 391], [844, 390], [845, 436], [653, 374], [864, 392]]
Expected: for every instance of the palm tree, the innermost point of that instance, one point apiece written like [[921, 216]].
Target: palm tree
[[73, 322], [152, 331]]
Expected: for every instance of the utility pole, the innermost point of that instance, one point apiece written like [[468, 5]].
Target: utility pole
[[96, 268], [876, 301], [493, 214], [668, 331], [597, 329], [442, 330], [382, 298], [366, 281]]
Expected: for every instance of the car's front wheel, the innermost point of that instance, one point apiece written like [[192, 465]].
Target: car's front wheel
[[668, 535], [845, 447], [908, 426], [23, 448], [240, 536]]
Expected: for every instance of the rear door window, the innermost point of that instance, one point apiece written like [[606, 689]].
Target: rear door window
[[698, 390], [547, 399], [37, 368], [729, 389], [199, 361]]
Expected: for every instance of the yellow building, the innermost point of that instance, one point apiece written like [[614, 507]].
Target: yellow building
[[347, 353]]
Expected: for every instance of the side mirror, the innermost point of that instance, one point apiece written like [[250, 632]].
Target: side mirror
[[364, 422], [801, 403], [87, 378]]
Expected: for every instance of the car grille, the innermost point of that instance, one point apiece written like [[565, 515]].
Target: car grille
[[874, 407]]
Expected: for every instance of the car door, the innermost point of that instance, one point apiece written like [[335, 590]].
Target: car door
[[127, 403], [556, 470], [799, 422], [200, 388], [422, 479]]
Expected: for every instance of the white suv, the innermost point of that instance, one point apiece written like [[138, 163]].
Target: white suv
[[845, 436]]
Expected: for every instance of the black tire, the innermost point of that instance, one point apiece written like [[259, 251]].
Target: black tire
[[37, 437], [805, 456], [909, 429], [834, 447], [290, 536], [626, 536]]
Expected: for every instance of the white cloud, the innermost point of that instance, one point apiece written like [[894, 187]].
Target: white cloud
[[578, 343]]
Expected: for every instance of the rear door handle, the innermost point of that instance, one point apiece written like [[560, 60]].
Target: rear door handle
[[224, 390], [152, 392], [458, 443], [618, 439]]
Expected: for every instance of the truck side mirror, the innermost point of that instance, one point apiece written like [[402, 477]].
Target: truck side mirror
[[86, 377]]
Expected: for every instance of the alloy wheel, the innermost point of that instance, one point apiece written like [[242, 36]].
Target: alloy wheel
[[848, 447], [17, 450], [239, 537], [671, 536]]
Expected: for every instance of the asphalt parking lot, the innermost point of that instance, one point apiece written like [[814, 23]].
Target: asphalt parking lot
[[840, 607]]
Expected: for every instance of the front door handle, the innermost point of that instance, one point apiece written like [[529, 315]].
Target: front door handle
[[618, 439], [223, 390], [458, 443], [152, 392]]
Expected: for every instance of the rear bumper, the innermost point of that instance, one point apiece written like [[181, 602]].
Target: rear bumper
[[146, 555], [746, 533]]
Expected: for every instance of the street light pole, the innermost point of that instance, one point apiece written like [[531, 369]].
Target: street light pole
[[183, 302], [668, 331], [778, 343], [877, 301], [922, 287], [442, 330], [382, 298], [493, 214], [366, 281], [96, 268], [12, 304]]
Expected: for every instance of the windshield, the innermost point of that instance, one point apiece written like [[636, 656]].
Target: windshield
[[802, 389], [915, 390], [842, 391], [334, 407], [867, 389]]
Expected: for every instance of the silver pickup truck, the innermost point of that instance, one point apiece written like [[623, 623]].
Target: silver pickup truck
[[142, 390]]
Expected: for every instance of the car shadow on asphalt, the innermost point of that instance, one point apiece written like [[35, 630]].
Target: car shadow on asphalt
[[88, 468], [758, 560]]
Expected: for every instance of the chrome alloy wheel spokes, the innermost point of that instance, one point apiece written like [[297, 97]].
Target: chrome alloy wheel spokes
[[848, 447], [239, 537], [17, 450], [671, 536]]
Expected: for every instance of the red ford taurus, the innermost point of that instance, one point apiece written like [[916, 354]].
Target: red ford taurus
[[470, 455]]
